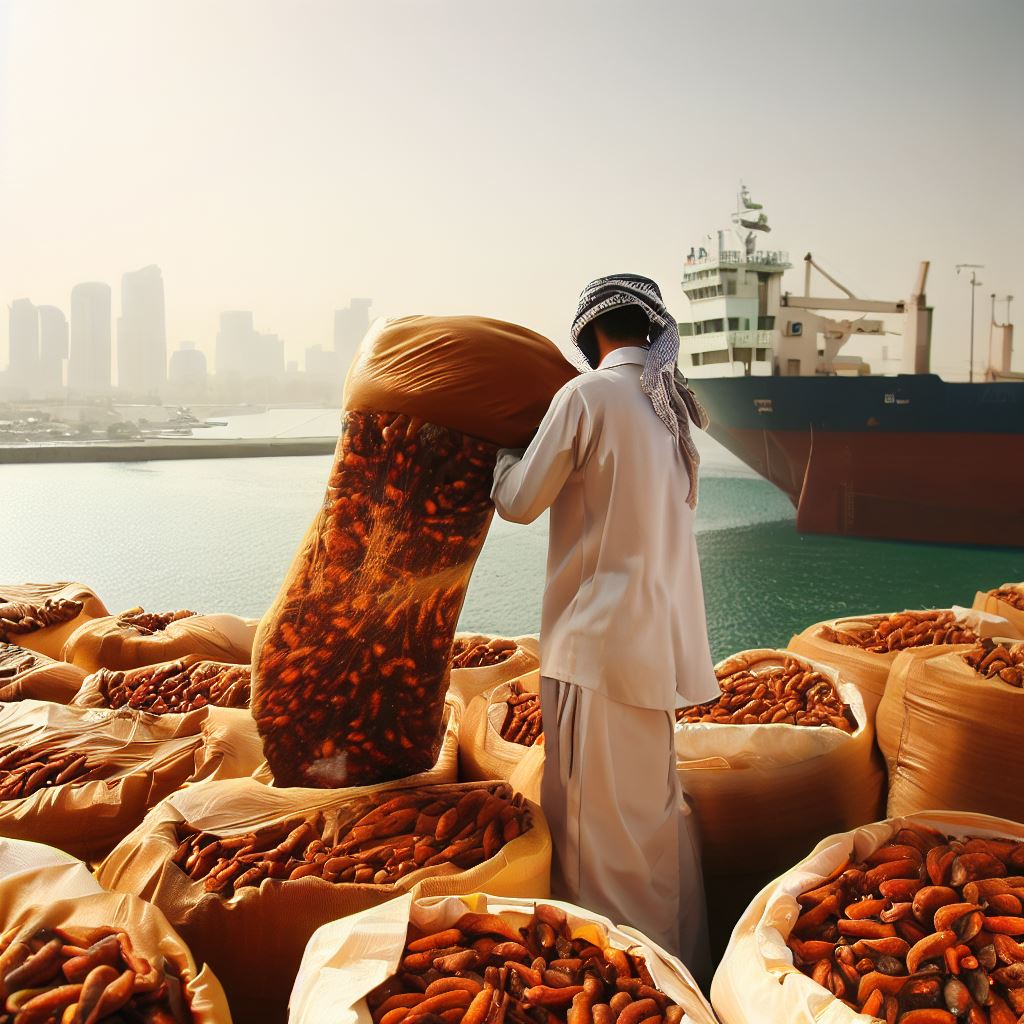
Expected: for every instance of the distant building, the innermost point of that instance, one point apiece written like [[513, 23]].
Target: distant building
[[89, 360], [53, 349], [186, 375], [23, 365], [350, 325], [142, 333], [234, 341], [268, 357]]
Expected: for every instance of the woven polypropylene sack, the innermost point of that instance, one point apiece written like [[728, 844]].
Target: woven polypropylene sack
[[469, 683], [270, 924], [756, 981], [483, 753], [29, 675], [48, 640], [353, 658]]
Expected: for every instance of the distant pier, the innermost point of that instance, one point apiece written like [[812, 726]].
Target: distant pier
[[156, 449]]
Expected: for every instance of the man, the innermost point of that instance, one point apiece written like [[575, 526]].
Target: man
[[623, 632]]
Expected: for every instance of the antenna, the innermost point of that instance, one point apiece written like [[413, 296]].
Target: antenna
[[973, 268]]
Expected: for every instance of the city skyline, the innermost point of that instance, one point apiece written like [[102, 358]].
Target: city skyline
[[492, 160]]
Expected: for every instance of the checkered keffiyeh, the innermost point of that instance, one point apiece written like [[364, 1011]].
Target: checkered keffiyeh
[[661, 379]]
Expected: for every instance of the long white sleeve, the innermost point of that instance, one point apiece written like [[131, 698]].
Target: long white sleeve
[[526, 483]]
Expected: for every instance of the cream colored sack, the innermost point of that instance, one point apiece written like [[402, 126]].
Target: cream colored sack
[[483, 754], [336, 974], [149, 756], [756, 981], [29, 675], [445, 769], [866, 670], [49, 640], [64, 895], [952, 738], [986, 602], [112, 643], [254, 940], [765, 794], [467, 683]]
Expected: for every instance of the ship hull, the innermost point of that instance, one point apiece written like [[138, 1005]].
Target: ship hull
[[906, 458]]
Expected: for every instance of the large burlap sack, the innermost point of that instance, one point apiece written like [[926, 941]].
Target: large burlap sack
[[147, 758], [468, 683], [952, 738], [763, 794], [29, 675], [18, 855], [867, 670], [336, 974], [25, 608], [756, 981], [483, 753], [114, 642], [48, 893], [444, 770], [1008, 606], [352, 660], [270, 924]]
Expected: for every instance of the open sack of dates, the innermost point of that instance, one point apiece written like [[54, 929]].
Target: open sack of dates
[[352, 660], [41, 616], [489, 960], [29, 675]]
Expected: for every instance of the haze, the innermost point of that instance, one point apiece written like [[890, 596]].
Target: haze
[[475, 157]]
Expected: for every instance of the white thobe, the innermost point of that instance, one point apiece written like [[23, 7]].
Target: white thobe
[[623, 642]]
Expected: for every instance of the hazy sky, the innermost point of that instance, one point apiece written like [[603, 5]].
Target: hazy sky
[[471, 156]]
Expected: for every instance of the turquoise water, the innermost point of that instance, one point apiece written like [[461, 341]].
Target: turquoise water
[[218, 535]]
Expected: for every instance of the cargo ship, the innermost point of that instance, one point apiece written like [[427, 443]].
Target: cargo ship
[[903, 455]]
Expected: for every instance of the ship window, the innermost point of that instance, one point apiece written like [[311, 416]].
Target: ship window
[[766, 323], [734, 323], [730, 287], [762, 354], [720, 355], [686, 330], [793, 367]]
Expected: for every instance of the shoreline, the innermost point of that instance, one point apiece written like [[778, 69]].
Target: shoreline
[[160, 449]]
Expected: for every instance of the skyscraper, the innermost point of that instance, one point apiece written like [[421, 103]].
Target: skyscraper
[[53, 349], [141, 333], [186, 375], [23, 367], [89, 363], [349, 327], [234, 341]]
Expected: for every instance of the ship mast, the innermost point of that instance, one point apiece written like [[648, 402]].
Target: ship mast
[[747, 219]]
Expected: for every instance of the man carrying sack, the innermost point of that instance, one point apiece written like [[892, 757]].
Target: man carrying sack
[[623, 632]]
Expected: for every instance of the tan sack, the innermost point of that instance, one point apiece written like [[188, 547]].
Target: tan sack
[[1006, 601], [336, 974], [952, 738], [483, 752], [445, 769], [470, 681], [254, 939], [867, 670], [64, 895], [18, 855], [41, 616], [139, 759], [29, 675], [764, 794], [756, 981], [115, 642]]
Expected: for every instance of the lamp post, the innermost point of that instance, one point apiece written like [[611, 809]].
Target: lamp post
[[973, 268]]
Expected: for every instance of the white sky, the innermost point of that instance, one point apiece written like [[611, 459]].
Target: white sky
[[483, 157]]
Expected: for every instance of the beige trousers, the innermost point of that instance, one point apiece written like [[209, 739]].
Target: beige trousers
[[624, 842]]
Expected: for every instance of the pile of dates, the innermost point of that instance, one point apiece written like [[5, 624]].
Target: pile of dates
[[885, 633], [176, 687], [1011, 595], [83, 976], [19, 617], [26, 769], [467, 654], [523, 722], [396, 835], [484, 970], [925, 930], [995, 660], [147, 623], [793, 693]]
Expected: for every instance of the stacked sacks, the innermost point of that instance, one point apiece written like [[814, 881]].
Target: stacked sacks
[[81, 779], [915, 919], [1006, 601], [480, 662], [29, 675], [353, 658], [950, 729], [41, 616], [135, 638], [71, 952], [863, 647], [247, 873], [490, 958]]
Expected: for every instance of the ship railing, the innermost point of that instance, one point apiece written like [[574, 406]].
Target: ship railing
[[734, 257]]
